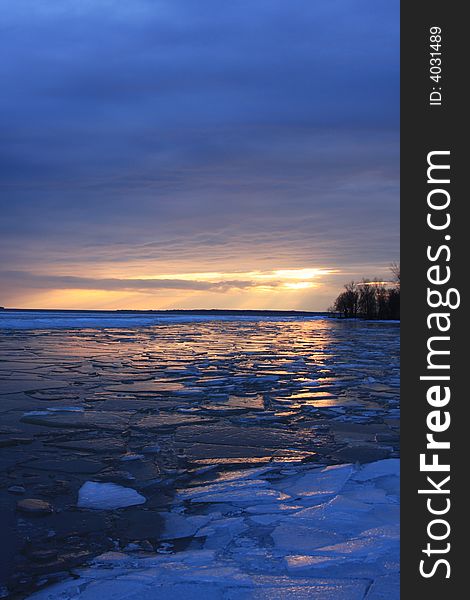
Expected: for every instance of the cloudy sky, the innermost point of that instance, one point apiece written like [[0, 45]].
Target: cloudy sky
[[209, 153]]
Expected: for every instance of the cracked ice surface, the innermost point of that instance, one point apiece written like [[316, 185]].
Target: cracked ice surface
[[321, 533], [221, 426]]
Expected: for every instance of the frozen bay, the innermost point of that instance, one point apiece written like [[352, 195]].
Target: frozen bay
[[266, 450]]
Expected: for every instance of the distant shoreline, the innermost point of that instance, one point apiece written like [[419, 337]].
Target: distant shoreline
[[177, 311]]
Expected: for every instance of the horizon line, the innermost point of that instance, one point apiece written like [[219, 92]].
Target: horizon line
[[166, 310]]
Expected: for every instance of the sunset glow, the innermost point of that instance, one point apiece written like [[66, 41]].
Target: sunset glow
[[260, 289], [185, 157]]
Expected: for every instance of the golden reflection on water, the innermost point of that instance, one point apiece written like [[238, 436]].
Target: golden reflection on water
[[293, 363]]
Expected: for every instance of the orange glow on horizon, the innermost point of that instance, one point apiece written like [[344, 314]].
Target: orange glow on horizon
[[270, 289]]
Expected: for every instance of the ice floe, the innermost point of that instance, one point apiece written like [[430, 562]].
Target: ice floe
[[107, 496], [180, 526], [178, 412], [324, 533], [316, 487]]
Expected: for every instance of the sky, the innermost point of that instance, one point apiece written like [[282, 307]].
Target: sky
[[160, 154]]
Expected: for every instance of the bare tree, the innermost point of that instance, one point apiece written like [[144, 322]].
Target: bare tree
[[367, 299], [370, 299], [347, 302], [394, 303], [382, 301], [395, 270]]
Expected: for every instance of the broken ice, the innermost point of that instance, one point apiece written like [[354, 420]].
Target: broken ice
[[107, 496], [335, 544]]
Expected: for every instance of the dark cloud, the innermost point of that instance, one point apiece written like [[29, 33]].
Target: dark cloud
[[204, 133], [67, 282]]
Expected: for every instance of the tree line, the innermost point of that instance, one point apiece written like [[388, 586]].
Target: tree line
[[370, 298]]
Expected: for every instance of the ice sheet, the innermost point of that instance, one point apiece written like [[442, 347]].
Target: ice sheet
[[344, 548]]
